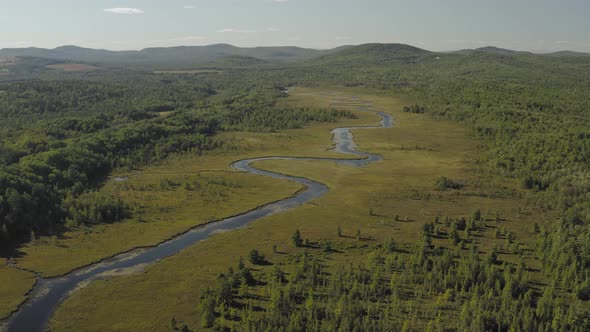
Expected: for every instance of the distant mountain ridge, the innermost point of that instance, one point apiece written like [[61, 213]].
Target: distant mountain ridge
[[187, 56], [567, 54], [504, 51], [491, 50], [162, 55]]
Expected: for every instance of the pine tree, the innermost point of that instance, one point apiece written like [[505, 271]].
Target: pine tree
[[256, 257], [208, 312], [297, 239], [454, 237], [241, 264]]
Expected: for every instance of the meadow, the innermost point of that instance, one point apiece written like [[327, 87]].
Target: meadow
[[169, 198]]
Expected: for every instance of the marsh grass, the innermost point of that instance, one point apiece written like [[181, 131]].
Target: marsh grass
[[402, 185]]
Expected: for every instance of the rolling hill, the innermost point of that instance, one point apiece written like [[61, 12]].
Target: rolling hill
[[567, 54], [372, 55], [180, 55], [491, 50]]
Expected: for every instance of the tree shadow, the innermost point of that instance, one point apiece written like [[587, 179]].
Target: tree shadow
[[264, 263]]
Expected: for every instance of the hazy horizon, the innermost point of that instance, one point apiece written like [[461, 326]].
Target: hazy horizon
[[535, 26], [263, 46]]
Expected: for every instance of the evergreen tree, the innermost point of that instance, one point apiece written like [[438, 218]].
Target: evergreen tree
[[296, 239]]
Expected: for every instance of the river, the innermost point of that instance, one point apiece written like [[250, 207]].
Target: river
[[36, 312]]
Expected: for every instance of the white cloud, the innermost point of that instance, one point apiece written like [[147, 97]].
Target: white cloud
[[128, 11], [280, 0], [189, 7], [232, 30], [272, 29]]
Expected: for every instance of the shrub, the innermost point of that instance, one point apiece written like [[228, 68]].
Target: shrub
[[443, 183], [256, 257]]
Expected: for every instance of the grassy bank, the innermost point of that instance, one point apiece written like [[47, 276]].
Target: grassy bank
[[14, 284]]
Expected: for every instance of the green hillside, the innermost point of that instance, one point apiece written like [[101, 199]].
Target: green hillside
[[165, 56], [373, 55]]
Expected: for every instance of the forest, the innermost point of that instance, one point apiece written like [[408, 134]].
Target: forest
[[384, 291], [61, 137]]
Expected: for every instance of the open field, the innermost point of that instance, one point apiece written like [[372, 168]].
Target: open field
[[416, 152], [189, 72], [8, 61], [73, 67]]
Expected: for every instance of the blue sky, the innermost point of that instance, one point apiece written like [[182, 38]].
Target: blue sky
[[535, 25]]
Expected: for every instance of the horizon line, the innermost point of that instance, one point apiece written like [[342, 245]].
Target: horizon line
[[302, 47]]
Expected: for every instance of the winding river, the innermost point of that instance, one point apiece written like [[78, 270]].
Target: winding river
[[35, 313]]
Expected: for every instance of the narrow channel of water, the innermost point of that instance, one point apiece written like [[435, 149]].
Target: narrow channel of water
[[35, 314]]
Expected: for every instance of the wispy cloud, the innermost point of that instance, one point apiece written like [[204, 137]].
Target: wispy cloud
[[273, 29], [189, 7], [232, 30], [127, 11], [280, 0]]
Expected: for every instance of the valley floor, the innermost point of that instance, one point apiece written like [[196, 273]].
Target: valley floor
[[390, 199], [171, 197]]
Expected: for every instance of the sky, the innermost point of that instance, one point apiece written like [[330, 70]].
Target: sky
[[437, 25]]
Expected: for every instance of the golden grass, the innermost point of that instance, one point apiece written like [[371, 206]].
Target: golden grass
[[165, 213], [14, 284], [73, 67], [189, 71], [417, 151]]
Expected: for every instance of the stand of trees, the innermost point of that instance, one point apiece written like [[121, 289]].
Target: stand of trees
[[432, 289]]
